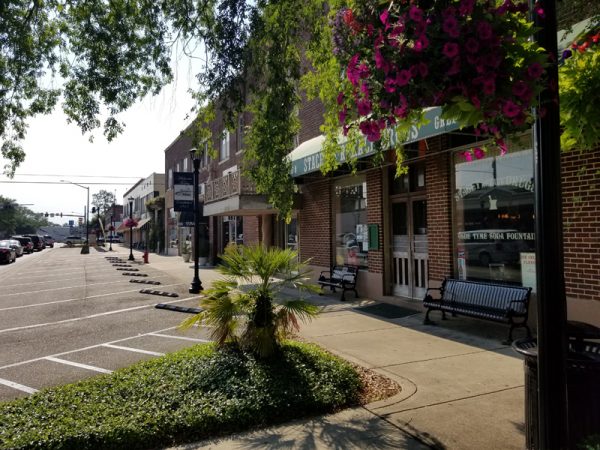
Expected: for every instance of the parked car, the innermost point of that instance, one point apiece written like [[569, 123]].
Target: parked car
[[49, 240], [38, 241], [74, 240], [17, 246], [26, 243], [7, 252]]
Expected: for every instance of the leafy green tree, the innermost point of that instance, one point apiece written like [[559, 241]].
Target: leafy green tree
[[247, 306], [16, 219], [103, 200]]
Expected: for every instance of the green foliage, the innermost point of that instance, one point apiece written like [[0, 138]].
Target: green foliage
[[16, 219], [247, 305], [192, 394], [92, 53], [579, 78]]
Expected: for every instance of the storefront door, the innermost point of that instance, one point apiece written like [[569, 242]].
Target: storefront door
[[409, 247]]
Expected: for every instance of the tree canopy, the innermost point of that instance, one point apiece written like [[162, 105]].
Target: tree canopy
[[96, 58], [17, 219]]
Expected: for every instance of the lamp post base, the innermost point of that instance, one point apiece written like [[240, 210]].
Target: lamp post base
[[195, 287], [131, 258]]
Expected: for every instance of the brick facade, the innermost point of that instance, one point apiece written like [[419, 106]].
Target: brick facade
[[252, 231], [439, 211], [581, 219], [314, 223], [375, 216]]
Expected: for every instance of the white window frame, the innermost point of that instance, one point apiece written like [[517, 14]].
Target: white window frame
[[224, 148]]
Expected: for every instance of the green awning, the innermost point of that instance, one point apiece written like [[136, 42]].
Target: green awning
[[308, 156]]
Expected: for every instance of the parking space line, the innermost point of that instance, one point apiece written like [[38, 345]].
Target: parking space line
[[76, 364], [89, 347], [131, 349], [179, 337], [18, 386], [61, 288], [78, 299]]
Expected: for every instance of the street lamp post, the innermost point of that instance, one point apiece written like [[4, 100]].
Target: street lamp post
[[112, 233], [131, 258], [196, 285], [87, 209]]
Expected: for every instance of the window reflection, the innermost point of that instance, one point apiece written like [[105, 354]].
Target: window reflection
[[351, 230], [494, 215]]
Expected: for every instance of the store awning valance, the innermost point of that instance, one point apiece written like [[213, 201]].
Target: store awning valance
[[141, 224], [308, 156]]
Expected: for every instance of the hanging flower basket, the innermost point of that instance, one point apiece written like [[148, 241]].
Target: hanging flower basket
[[472, 58], [130, 223], [111, 228], [579, 78]]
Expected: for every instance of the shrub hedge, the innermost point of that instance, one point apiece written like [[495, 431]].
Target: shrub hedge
[[192, 394]]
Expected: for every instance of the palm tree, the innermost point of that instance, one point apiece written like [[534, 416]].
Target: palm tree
[[248, 307]]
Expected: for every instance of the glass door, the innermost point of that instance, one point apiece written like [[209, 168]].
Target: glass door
[[409, 248]]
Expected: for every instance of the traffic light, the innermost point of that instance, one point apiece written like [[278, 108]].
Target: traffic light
[[60, 214], [93, 209], [80, 221], [45, 214]]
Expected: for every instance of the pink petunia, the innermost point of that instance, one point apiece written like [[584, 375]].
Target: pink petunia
[[421, 43], [363, 71], [489, 86], [364, 107], [468, 156], [364, 88], [511, 109], [535, 71], [423, 69], [478, 152], [466, 7], [403, 77], [384, 16], [342, 115], [475, 101], [450, 27], [454, 68], [472, 46], [352, 72], [340, 98], [484, 30], [389, 85], [502, 146], [415, 13], [522, 90], [450, 49]]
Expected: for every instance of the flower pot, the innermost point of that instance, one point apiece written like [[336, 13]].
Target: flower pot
[[186, 257]]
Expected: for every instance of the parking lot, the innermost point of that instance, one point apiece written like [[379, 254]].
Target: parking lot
[[65, 316]]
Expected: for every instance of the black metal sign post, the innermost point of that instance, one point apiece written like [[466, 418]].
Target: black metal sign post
[[551, 297], [196, 285]]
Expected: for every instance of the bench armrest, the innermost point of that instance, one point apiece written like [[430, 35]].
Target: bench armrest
[[325, 271], [352, 278]]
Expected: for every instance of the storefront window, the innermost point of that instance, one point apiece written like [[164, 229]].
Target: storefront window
[[351, 230], [494, 215]]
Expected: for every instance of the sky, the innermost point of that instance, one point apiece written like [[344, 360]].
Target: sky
[[56, 150]]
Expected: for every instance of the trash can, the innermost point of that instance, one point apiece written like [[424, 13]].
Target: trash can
[[583, 384]]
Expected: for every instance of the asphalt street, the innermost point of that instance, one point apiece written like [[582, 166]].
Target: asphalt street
[[65, 316]]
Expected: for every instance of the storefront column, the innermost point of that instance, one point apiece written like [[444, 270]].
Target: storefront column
[[267, 230]]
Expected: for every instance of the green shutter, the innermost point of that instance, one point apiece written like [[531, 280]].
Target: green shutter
[[373, 236]]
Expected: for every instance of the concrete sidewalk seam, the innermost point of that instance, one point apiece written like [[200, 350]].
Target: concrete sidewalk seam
[[454, 400], [440, 357]]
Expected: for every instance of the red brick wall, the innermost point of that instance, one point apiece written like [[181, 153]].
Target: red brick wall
[[315, 224], [311, 118], [375, 216], [251, 230], [581, 219], [439, 211]]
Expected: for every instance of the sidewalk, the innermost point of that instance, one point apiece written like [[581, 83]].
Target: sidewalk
[[461, 388]]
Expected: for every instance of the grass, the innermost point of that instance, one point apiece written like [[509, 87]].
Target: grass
[[193, 394]]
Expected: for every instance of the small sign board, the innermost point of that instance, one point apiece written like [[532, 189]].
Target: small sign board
[[528, 276], [183, 191]]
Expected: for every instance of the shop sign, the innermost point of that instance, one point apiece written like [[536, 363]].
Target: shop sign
[[436, 125], [183, 191]]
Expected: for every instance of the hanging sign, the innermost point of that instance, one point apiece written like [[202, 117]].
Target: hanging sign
[[183, 191]]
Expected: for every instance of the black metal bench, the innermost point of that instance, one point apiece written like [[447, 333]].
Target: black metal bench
[[340, 277], [495, 302]]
